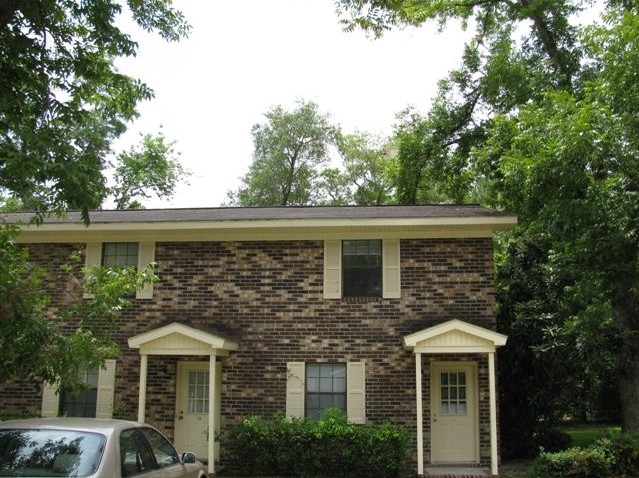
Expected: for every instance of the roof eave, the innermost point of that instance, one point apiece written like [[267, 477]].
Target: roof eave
[[269, 229]]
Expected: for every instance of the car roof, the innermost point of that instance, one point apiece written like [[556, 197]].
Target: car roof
[[103, 425]]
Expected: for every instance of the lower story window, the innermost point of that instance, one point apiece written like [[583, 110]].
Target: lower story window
[[83, 403], [325, 388]]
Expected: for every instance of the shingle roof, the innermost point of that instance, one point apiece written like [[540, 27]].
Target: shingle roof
[[268, 213]]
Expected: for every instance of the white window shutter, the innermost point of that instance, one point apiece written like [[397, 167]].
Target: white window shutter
[[391, 269], [50, 400], [146, 255], [332, 269], [92, 258], [295, 389], [93, 254], [355, 389], [106, 390]]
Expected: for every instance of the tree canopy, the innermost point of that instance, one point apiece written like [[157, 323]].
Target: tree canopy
[[62, 100], [288, 149], [149, 169], [62, 105], [540, 118]]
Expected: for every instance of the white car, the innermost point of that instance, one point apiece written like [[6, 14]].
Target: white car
[[90, 447]]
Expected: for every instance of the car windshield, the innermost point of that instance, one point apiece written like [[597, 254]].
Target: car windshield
[[49, 452]]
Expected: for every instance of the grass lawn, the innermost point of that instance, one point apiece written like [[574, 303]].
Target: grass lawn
[[584, 435]]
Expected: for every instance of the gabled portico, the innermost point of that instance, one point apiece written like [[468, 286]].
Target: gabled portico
[[181, 339], [455, 337]]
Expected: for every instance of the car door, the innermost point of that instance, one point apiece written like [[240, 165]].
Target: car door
[[146, 452]]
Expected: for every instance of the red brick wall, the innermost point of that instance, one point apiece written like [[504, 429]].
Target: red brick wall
[[268, 297]]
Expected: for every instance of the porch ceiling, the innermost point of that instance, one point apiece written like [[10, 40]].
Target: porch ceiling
[[454, 336], [181, 339]]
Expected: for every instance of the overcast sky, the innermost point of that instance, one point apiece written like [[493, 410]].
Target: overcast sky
[[242, 58]]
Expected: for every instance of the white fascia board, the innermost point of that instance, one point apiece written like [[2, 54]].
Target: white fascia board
[[464, 227]]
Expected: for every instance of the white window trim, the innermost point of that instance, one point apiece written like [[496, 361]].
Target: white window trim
[[106, 392], [355, 391], [391, 269], [146, 255]]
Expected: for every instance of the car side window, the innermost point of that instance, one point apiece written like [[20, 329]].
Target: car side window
[[135, 454], [164, 452]]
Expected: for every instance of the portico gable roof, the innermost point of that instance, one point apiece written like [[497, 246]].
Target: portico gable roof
[[181, 339], [454, 336]]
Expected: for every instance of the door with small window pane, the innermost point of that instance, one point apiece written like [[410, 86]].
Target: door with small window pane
[[192, 407], [454, 435]]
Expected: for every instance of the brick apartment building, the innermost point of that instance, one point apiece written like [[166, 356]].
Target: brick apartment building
[[386, 312]]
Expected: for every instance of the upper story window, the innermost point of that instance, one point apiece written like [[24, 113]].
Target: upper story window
[[120, 254], [362, 268]]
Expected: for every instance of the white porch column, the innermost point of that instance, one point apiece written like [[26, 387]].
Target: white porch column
[[212, 380], [420, 421], [492, 391], [142, 392]]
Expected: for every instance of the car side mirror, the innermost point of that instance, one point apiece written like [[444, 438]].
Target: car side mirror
[[188, 457]]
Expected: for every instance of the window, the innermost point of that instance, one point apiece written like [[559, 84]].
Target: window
[[164, 452], [39, 452], [84, 402], [145, 449], [362, 268], [312, 387], [198, 393], [453, 394], [325, 388], [101, 403], [135, 455], [120, 254]]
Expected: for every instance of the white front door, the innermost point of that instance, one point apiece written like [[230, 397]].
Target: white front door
[[192, 407], [454, 418]]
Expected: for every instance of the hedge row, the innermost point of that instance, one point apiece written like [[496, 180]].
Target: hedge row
[[305, 448], [616, 457]]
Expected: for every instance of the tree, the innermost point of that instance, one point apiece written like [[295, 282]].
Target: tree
[[32, 346], [368, 162], [62, 101], [62, 104], [546, 125], [499, 72], [366, 173], [151, 168], [288, 149]]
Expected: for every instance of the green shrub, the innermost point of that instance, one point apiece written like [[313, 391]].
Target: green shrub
[[305, 448], [573, 463], [614, 457], [625, 452]]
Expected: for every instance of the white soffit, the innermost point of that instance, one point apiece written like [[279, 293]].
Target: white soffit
[[180, 339], [454, 336]]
